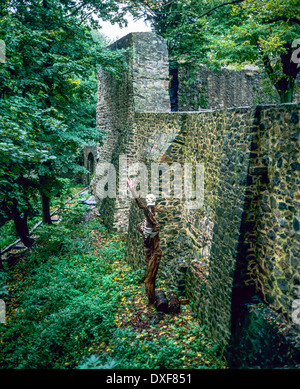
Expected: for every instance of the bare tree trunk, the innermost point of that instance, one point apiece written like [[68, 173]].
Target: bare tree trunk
[[46, 209], [151, 280], [174, 304], [161, 301], [152, 262], [21, 226]]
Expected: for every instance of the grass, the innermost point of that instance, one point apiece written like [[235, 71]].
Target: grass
[[73, 302]]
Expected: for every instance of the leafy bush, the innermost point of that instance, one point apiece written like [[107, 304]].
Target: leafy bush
[[72, 303], [62, 300], [75, 214], [139, 351], [8, 234], [95, 362]]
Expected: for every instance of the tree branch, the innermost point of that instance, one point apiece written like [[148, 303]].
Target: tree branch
[[192, 12], [267, 64], [77, 8], [284, 19], [219, 6]]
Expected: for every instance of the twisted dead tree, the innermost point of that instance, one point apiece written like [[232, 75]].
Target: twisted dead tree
[[149, 228]]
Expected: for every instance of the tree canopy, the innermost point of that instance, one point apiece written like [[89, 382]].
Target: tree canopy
[[47, 97], [236, 32], [48, 81]]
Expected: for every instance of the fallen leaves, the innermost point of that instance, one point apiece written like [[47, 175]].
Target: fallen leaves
[[150, 325], [148, 337]]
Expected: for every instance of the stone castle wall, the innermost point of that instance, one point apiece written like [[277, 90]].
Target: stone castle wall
[[237, 239], [203, 88], [143, 87], [244, 240]]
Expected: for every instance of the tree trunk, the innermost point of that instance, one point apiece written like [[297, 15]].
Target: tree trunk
[[285, 85], [161, 302], [174, 304], [46, 209], [21, 226], [290, 69], [152, 263], [150, 281], [286, 96]]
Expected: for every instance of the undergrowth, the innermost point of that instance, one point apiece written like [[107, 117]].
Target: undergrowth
[[73, 302]]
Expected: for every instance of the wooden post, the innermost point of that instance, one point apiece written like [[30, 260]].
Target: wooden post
[[174, 304], [161, 302]]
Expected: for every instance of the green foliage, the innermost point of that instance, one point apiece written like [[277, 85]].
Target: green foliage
[[4, 279], [7, 234], [95, 362], [177, 21], [48, 91], [137, 352], [73, 215], [112, 253], [63, 299], [239, 33], [62, 305], [262, 33]]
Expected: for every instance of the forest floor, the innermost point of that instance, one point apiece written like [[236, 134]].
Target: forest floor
[[73, 302]]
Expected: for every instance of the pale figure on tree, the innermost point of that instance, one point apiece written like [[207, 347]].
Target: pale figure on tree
[[149, 228]]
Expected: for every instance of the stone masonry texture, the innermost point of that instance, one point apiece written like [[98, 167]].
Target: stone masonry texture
[[202, 88], [244, 240]]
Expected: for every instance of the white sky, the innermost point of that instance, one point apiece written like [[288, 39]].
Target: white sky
[[114, 32]]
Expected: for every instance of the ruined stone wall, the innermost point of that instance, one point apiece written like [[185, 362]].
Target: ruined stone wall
[[216, 249], [160, 137], [203, 259], [278, 239], [143, 87], [244, 240], [202, 88], [247, 236]]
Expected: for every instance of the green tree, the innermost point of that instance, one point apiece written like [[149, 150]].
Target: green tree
[[177, 21], [265, 36], [47, 97], [17, 150], [236, 32]]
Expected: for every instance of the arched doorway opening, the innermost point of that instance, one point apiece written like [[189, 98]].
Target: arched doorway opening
[[90, 166]]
